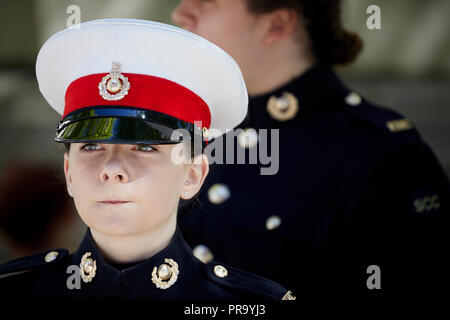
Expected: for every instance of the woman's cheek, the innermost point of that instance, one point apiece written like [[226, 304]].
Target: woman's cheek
[[82, 182], [165, 191]]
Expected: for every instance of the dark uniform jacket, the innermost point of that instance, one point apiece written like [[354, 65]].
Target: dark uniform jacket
[[358, 196], [56, 275]]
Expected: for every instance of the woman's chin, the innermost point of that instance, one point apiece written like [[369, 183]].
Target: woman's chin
[[114, 220], [113, 228]]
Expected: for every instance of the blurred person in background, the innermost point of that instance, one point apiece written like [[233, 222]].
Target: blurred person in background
[[357, 189], [36, 214]]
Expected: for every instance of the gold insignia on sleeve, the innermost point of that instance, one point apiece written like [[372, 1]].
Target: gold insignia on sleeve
[[283, 108], [88, 267], [166, 275], [399, 125], [288, 296]]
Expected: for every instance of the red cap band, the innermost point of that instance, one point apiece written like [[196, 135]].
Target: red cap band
[[145, 92]]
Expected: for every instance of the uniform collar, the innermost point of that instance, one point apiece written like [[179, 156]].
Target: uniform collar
[[134, 282], [315, 90]]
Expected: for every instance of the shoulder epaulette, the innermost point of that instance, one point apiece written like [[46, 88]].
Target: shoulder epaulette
[[385, 120], [32, 262], [245, 282]]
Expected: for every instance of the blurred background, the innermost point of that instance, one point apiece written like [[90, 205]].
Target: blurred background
[[405, 65]]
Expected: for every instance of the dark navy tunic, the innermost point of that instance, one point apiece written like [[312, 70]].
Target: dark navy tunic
[[357, 189], [41, 277]]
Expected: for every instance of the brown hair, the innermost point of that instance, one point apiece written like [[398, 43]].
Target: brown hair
[[332, 44]]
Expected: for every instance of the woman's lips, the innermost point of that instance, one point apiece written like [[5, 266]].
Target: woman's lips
[[115, 202]]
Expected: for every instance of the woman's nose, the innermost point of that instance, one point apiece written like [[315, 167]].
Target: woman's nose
[[183, 14], [113, 171]]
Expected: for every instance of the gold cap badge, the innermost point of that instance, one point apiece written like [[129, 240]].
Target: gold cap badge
[[114, 86]]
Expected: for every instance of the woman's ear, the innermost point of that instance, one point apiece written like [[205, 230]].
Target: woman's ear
[[67, 174], [195, 176], [281, 24]]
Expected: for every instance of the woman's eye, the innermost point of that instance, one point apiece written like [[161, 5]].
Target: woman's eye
[[145, 148], [89, 147]]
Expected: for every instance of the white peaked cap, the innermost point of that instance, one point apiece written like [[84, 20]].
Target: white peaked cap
[[144, 48]]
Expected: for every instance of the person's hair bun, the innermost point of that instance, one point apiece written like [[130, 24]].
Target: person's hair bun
[[345, 48]]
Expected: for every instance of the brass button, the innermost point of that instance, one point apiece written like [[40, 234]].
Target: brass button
[[218, 193], [164, 272], [353, 99], [203, 253], [273, 222], [51, 256], [248, 138], [220, 271]]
